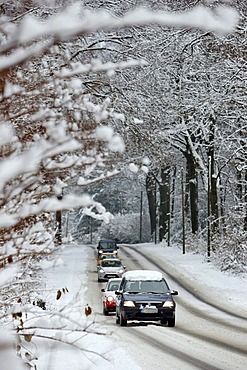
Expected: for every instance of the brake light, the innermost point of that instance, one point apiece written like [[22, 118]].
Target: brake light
[[110, 299], [110, 302]]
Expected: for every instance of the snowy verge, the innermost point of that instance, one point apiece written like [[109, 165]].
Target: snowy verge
[[201, 275]]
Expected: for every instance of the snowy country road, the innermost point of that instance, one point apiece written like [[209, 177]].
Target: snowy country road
[[204, 337]]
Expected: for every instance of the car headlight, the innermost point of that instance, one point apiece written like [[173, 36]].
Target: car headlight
[[100, 251], [121, 271], [115, 252], [101, 270], [168, 304], [129, 304]]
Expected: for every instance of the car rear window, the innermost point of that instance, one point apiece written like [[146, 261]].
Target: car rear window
[[113, 286], [114, 263], [107, 245]]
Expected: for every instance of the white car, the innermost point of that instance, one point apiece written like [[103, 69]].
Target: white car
[[110, 268], [109, 296]]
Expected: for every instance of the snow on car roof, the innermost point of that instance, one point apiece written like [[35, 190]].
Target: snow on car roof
[[111, 259], [143, 275]]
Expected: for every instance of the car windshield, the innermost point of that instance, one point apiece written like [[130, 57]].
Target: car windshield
[[146, 286], [113, 263]]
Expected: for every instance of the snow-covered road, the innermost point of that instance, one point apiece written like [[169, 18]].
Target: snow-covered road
[[204, 337]]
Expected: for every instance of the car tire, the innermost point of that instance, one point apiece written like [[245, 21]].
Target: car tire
[[171, 322], [105, 312], [163, 321], [122, 321]]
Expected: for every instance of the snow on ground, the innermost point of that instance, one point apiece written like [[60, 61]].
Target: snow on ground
[[99, 349], [195, 269]]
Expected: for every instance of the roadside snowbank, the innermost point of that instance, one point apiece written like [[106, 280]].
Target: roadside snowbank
[[202, 275]]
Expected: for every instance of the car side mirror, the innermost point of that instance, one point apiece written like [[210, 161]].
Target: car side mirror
[[174, 292], [118, 292], [102, 290], [124, 267]]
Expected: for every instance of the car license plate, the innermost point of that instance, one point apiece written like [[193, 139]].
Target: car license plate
[[150, 309]]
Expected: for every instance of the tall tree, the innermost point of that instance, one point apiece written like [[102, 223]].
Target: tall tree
[[164, 209]]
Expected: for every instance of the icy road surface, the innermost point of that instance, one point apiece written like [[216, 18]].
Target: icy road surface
[[205, 337]]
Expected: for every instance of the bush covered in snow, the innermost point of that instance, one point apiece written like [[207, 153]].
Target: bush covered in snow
[[230, 251]]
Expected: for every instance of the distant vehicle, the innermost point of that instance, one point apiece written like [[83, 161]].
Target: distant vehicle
[[109, 296], [107, 246], [103, 256], [110, 268], [144, 295]]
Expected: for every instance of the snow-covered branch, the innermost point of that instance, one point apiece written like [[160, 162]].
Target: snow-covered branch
[[69, 24]]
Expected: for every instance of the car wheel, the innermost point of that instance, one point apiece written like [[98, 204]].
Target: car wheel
[[171, 322], [105, 312], [163, 321], [122, 321]]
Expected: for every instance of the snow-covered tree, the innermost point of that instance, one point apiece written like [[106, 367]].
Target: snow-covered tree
[[57, 127], [186, 104]]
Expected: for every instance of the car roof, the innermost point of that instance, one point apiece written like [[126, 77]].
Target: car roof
[[108, 254], [112, 259], [114, 279], [107, 240], [143, 275]]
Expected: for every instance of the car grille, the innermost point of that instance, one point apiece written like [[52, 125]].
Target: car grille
[[146, 303], [109, 276]]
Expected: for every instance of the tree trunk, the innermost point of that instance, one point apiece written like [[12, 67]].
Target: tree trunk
[[58, 234], [164, 210], [191, 189], [150, 189], [191, 177], [213, 178], [245, 202], [222, 206], [242, 180], [187, 191], [173, 192]]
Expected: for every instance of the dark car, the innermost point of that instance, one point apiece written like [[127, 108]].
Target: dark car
[[107, 246], [144, 295]]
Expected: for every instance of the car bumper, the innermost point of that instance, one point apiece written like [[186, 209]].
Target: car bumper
[[110, 307], [137, 314], [115, 253], [107, 276]]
